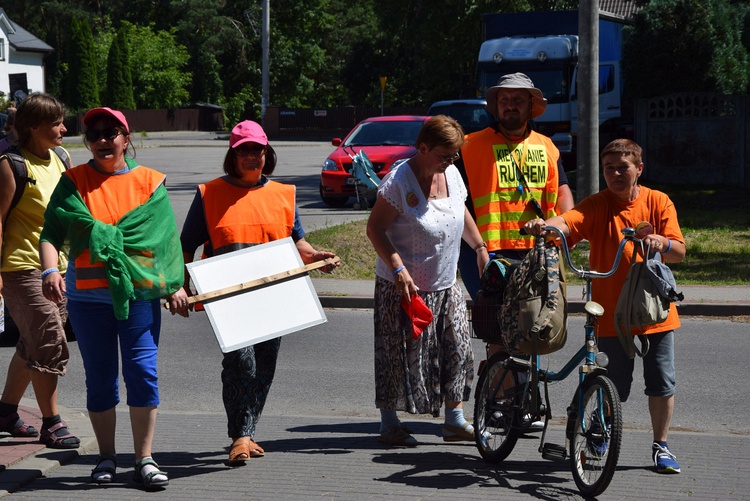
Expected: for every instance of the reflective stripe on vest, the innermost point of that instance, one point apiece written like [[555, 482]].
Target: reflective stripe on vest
[[108, 198], [500, 207], [238, 217]]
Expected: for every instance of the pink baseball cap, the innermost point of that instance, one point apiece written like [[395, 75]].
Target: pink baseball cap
[[247, 131], [97, 112]]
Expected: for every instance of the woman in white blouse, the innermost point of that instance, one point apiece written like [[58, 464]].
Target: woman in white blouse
[[416, 227]]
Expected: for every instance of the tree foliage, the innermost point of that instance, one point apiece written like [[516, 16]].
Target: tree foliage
[[83, 86], [685, 46], [332, 52], [119, 90], [160, 80]]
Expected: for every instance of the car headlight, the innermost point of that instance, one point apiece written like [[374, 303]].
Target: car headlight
[[330, 165]]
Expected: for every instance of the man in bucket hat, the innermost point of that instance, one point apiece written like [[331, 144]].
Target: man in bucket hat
[[513, 174]]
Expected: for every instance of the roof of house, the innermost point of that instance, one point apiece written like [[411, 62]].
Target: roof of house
[[19, 38], [624, 9]]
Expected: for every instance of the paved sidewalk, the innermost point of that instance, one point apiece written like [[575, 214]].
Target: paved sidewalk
[[340, 458], [700, 300]]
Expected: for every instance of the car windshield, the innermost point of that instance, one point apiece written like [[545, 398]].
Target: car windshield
[[397, 133]]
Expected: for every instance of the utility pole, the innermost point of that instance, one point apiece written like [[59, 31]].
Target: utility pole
[[265, 41], [588, 99]]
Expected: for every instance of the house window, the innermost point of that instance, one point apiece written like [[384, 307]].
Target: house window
[[2, 49]]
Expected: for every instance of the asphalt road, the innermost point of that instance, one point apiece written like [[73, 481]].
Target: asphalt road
[[298, 164], [327, 370]]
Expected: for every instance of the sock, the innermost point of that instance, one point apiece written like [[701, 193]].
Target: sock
[[148, 468], [8, 409], [455, 417], [388, 419], [49, 422]]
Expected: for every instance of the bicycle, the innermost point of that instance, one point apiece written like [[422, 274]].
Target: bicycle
[[508, 399]]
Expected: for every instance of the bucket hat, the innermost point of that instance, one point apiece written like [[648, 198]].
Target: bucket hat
[[516, 81]]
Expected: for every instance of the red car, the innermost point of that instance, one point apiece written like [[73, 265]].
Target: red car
[[385, 140]]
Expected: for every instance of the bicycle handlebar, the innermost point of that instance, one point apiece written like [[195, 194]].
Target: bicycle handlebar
[[628, 236]]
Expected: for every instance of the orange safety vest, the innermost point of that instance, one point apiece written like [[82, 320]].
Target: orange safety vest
[[500, 207], [238, 217], [108, 198]]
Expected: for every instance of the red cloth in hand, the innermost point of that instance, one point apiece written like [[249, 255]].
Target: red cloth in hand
[[418, 312]]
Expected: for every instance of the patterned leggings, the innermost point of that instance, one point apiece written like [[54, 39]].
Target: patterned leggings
[[246, 378]]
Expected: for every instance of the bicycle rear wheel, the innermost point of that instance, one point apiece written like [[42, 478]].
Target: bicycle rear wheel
[[496, 410], [597, 436]]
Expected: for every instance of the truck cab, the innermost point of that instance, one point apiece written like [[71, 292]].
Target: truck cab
[[550, 63]]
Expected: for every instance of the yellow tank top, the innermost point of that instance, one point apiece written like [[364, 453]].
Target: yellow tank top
[[24, 224]]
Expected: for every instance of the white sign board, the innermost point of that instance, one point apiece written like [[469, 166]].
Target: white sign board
[[263, 313]]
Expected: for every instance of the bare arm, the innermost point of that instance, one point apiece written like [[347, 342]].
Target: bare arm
[[565, 200], [7, 189], [53, 285], [472, 237], [382, 216], [661, 243], [310, 255], [536, 226]]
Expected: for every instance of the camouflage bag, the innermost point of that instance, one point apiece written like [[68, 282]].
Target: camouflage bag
[[534, 313]]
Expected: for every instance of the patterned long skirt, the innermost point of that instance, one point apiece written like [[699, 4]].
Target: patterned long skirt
[[418, 375]]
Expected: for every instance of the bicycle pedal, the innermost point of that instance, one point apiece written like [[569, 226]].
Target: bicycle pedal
[[554, 452]]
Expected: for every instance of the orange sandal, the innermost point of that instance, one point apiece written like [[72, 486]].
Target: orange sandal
[[242, 451], [256, 451], [239, 453]]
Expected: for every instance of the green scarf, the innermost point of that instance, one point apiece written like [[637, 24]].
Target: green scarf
[[141, 253]]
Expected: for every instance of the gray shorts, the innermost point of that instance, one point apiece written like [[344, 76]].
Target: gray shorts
[[41, 323], [658, 365]]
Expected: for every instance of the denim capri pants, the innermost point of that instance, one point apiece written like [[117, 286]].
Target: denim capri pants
[[99, 333], [658, 365]]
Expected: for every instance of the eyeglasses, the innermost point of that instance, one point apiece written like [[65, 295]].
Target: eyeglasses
[[250, 150], [93, 135], [450, 158]]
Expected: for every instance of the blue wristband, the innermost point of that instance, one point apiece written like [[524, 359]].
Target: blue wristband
[[398, 270], [49, 271], [669, 246]]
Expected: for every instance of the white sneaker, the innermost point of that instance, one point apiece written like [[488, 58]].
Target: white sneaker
[[536, 427]]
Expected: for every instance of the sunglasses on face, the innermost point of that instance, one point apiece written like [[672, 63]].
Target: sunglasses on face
[[246, 151], [110, 134]]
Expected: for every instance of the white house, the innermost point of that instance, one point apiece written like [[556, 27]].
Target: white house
[[21, 59]]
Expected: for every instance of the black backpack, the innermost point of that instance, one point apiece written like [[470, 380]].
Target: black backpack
[[21, 173]]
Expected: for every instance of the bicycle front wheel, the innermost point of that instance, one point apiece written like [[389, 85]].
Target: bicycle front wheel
[[597, 435], [496, 410]]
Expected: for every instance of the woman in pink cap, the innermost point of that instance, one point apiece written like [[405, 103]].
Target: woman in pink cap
[[241, 209], [124, 257]]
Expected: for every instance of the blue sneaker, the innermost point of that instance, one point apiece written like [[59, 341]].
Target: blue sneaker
[[665, 461], [598, 442]]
